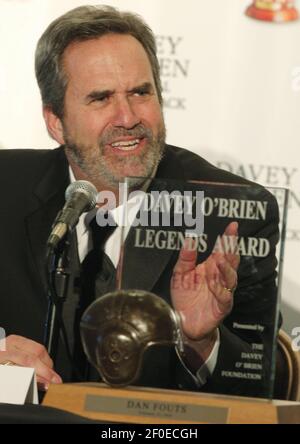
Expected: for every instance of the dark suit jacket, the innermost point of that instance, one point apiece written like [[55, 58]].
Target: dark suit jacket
[[33, 184]]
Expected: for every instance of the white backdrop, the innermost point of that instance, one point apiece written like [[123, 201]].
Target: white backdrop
[[232, 93]]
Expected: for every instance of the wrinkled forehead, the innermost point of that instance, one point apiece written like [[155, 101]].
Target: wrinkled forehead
[[106, 54]]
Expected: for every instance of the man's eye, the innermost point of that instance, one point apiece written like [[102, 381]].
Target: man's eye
[[141, 93], [100, 99]]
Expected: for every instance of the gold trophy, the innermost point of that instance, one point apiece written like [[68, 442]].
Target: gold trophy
[[273, 10]]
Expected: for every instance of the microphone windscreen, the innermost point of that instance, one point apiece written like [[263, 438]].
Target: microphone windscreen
[[85, 187]]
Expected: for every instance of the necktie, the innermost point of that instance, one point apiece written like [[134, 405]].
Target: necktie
[[98, 272], [98, 277]]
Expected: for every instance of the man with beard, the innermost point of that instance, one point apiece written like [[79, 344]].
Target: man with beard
[[99, 80]]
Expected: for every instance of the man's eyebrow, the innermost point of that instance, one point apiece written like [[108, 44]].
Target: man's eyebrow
[[144, 87], [99, 95]]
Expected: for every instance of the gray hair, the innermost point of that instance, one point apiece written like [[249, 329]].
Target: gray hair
[[85, 23]]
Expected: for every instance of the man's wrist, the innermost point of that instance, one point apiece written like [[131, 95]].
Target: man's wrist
[[197, 352]]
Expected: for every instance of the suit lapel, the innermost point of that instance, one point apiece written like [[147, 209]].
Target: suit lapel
[[142, 267], [47, 199]]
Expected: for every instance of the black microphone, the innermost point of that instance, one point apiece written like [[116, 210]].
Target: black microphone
[[80, 196]]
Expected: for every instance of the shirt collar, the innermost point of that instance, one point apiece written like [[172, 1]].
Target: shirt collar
[[117, 213]]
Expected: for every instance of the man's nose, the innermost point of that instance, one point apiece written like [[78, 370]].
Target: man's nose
[[125, 114]]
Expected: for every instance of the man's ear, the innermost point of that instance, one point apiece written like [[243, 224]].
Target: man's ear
[[54, 125]]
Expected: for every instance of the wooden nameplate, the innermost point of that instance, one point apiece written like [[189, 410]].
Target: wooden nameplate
[[158, 406]]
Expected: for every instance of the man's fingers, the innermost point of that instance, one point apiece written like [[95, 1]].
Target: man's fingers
[[25, 359], [14, 342], [223, 296], [228, 275], [42, 384], [27, 353], [232, 229], [187, 257], [228, 244], [223, 287]]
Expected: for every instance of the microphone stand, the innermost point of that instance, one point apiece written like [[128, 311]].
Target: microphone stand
[[58, 273], [80, 196]]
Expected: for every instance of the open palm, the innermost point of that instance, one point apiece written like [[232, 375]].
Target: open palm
[[202, 294]]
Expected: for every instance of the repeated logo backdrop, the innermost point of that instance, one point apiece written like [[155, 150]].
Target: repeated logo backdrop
[[173, 66], [273, 10], [231, 81]]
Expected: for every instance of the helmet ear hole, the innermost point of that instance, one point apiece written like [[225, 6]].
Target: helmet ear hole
[[117, 329], [118, 355]]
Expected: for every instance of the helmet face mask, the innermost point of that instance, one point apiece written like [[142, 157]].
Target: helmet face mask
[[119, 327]]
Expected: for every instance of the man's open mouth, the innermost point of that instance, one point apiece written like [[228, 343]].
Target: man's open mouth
[[126, 145]]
